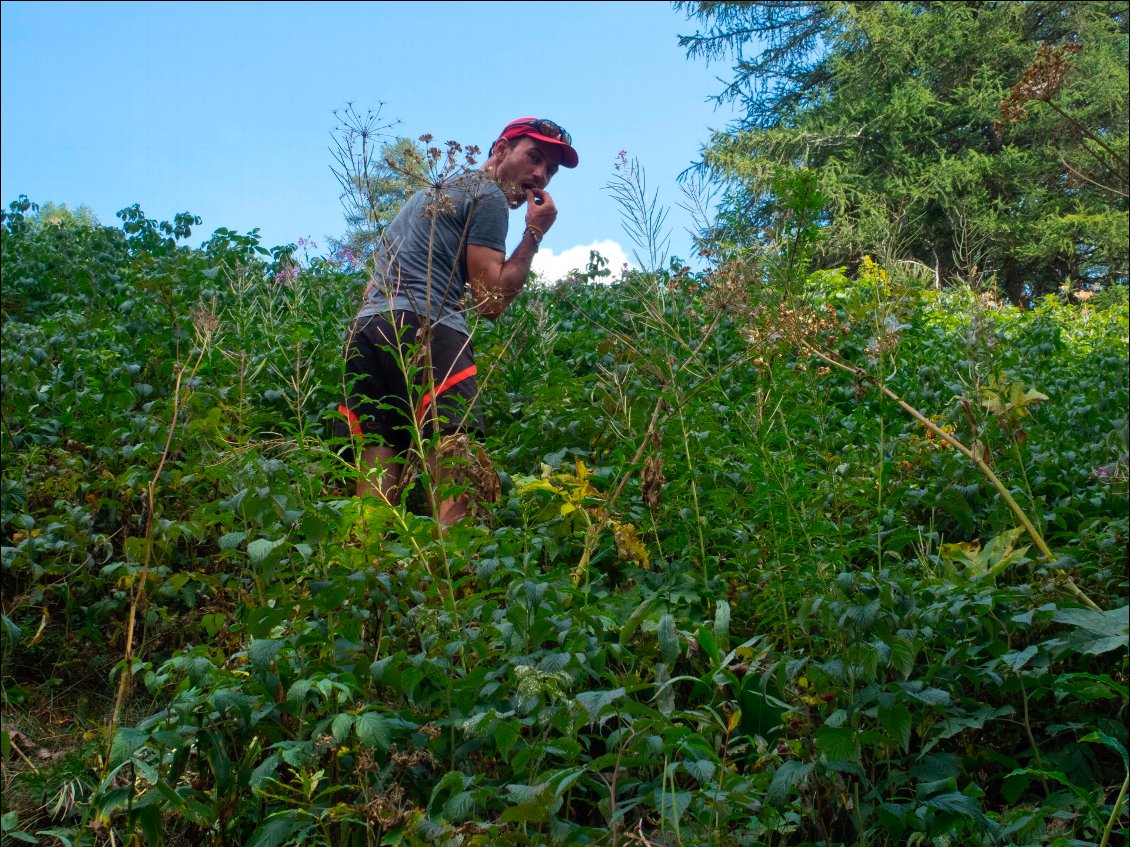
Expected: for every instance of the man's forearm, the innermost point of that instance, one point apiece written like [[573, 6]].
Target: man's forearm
[[512, 277]]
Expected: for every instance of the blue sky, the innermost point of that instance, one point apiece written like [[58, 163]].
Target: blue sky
[[225, 109]]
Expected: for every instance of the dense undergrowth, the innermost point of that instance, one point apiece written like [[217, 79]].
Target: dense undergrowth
[[731, 593]]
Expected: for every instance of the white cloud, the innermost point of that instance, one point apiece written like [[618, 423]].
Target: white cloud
[[552, 266]]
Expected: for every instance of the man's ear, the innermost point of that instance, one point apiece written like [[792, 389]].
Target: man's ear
[[500, 148]]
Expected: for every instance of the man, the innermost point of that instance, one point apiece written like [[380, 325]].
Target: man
[[444, 241]]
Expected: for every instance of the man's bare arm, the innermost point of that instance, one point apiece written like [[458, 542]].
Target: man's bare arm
[[495, 280]]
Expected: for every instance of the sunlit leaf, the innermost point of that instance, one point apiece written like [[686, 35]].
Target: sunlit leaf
[[701, 769], [127, 741], [340, 726], [373, 729], [594, 702], [956, 802], [260, 549]]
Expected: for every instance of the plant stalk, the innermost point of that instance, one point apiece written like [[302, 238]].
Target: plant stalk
[[1114, 812], [980, 464]]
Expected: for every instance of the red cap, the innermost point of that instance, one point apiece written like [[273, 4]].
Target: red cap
[[525, 126]]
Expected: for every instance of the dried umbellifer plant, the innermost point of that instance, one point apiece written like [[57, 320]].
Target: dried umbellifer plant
[[651, 475], [1041, 81], [468, 465]]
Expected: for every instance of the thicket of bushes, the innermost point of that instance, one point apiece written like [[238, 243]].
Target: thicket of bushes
[[731, 593]]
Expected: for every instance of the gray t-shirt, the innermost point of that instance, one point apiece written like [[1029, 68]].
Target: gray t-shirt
[[437, 224]]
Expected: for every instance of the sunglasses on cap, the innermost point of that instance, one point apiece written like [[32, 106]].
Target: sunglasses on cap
[[545, 127]]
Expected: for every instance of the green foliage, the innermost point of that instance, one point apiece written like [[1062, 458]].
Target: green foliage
[[985, 142], [728, 596]]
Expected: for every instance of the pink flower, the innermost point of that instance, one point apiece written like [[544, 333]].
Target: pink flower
[[286, 275], [345, 256]]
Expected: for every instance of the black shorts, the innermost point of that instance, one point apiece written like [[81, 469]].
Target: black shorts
[[443, 396]]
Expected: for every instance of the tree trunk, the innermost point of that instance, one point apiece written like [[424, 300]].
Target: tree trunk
[[1013, 284]]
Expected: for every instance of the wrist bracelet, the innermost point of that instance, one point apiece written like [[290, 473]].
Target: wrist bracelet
[[535, 234]]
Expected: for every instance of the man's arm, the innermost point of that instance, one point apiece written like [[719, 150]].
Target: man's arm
[[495, 280]]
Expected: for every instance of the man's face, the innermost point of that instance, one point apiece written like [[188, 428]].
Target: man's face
[[526, 164]]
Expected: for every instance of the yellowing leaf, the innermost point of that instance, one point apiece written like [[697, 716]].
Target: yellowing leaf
[[39, 632], [998, 553], [537, 485], [732, 723], [1002, 397], [962, 551]]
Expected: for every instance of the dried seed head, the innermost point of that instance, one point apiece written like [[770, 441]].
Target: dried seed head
[[651, 481], [469, 464], [388, 808], [629, 546], [205, 321], [1041, 81]]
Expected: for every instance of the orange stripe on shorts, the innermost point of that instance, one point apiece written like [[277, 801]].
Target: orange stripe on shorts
[[352, 419], [454, 379]]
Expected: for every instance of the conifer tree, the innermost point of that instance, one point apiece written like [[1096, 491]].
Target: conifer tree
[[986, 140]]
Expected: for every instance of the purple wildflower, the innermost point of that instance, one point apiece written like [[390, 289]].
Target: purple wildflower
[[286, 275]]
